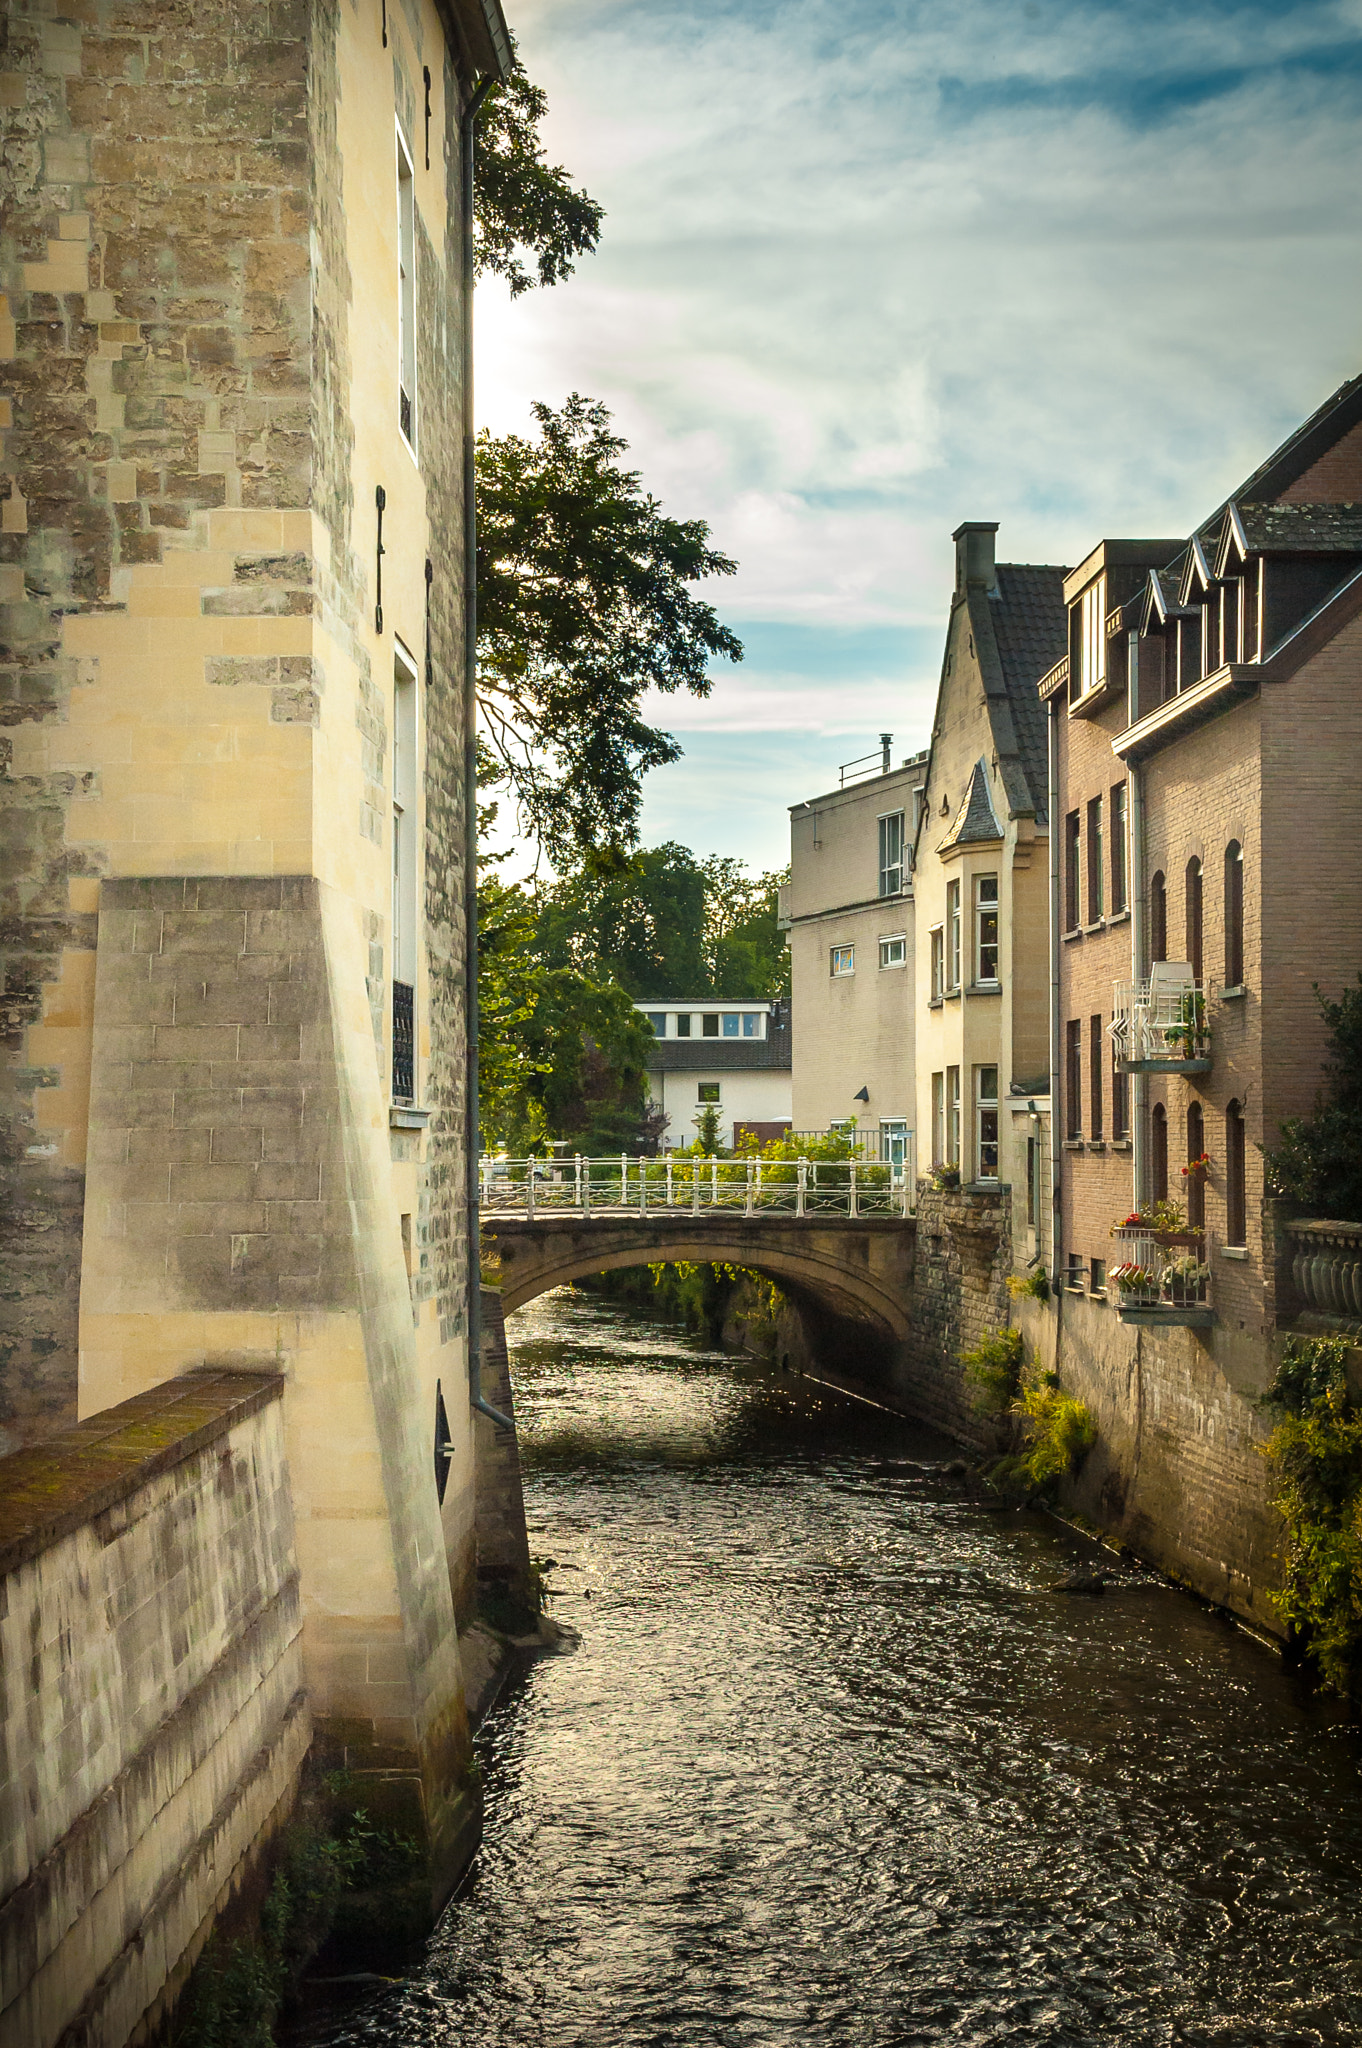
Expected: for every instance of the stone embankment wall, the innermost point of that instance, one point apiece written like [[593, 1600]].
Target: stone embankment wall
[[154, 1722], [503, 1545], [964, 1255]]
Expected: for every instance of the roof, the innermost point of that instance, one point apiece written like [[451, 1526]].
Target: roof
[[727, 1055], [976, 821], [1315, 529], [482, 26], [1031, 628]]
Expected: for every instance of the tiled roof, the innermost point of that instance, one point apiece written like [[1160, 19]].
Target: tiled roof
[[1031, 626], [1322, 529], [976, 821], [726, 1055]]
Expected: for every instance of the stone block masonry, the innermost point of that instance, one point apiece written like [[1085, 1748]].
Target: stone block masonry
[[154, 1721], [964, 1255]]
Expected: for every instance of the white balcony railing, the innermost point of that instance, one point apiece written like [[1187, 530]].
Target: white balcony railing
[[1161, 1277], [603, 1188], [1160, 1025]]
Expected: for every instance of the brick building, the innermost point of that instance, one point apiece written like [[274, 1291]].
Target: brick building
[[233, 351], [980, 880], [1205, 727]]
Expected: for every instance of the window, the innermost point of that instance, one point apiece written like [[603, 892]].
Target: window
[[752, 1022], [1120, 853], [1158, 917], [1095, 860], [1194, 916], [1231, 598], [658, 1020], [986, 928], [406, 294], [1234, 915], [1073, 1077], [1032, 1182], [1093, 637], [683, 1024], [1071, 837], [709, 1025], [707, 1091], [952, 935], [891, 854], [894, 952], [938, 1119], [1196, 1147], [893, 1141], [1236, 1191], [1073, 1272], [732, 1025], [843, 960], [1097, 1060], [1097, 1276], [986, 1123], [953, 1116], [1120, 1096], [1158, 1153], [938, 938], [404, 879]]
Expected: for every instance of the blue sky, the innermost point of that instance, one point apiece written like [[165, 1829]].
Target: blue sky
[[870, 269]]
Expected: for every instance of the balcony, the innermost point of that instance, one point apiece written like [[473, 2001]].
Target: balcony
[[1161, 1278], [1159, 1026], [1326, 1268]]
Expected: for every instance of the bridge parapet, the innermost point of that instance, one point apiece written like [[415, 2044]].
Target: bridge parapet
[[694, 1186]]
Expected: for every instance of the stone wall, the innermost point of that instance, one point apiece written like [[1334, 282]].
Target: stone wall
[[503, 1545], [153, 1713], [964, 1255]]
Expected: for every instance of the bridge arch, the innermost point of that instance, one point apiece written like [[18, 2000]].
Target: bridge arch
[[859, 1269]]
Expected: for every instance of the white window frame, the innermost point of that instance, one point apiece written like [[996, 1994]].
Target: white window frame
[[406, 290], [714, 1101], [890, 825], [937, 939], [406, 822], [986, 1105], [894, 1129], [953, 1116], [939, 1119], [953, 937], [836, 956], [983, 908], [899, 939], [1092, 637]]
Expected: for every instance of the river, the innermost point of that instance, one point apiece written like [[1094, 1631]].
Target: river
[[834, 1766]]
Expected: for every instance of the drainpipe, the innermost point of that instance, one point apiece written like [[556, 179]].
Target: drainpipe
[[1139, 1124], [472, 1123], [1056, 1090]]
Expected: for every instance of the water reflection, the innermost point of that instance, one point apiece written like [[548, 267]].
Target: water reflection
[[833, 1766]]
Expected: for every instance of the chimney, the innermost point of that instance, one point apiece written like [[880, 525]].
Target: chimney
[[974, 554]]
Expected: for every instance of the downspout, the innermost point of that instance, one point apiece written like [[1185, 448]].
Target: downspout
[[1139, 1125], [472, 1122], [1056, 1089]]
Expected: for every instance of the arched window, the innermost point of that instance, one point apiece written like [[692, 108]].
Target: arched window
[[1234, 915], [1194, 916], [1236, 1193], [1158, 1154], [1158, 918], [1196, 1187]]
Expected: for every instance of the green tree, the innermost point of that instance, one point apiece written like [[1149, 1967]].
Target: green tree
[[522, 203], [744, 944], [584, 602], [1317, 1160]]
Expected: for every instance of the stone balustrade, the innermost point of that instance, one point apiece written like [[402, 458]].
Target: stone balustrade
[[1326, 1267]]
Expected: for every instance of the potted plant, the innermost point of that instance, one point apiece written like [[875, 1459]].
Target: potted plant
[[1184, 1280], [1197, 1170], [945, 1179]]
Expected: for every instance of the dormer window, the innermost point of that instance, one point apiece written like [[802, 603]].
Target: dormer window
[[1092, 637]]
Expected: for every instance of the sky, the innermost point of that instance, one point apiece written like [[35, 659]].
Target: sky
[[870, 268]]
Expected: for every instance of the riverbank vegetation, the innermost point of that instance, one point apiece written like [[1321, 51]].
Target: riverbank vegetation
[[1315, 1452], [1317, 1160], [1052, 1431]]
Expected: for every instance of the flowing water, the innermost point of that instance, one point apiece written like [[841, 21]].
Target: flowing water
[[833, 1765]]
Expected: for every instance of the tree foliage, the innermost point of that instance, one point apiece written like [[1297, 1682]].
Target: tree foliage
[[663, 923], [1317, 1160], [523, 204], [584, 603]]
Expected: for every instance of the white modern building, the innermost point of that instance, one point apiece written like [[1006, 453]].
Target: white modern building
[[731, 1057]]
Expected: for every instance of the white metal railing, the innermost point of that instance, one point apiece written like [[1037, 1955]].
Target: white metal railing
[[1163, 1018], [693, 1185], [1152, 1272]]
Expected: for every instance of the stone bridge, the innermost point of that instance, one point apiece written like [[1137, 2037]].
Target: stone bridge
[[857, 1267]]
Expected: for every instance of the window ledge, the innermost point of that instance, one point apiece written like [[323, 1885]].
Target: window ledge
[[1076, 933], [1119, 916], [1074, 1144], [952, 995], [935, 1002], [1234, 1251], [403, 1116], [1235, 994], [1097, 1144], [1099, 924], [1120, 1144], [984, 988]]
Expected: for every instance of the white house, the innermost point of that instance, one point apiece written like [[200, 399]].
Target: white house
[[733, 1057]]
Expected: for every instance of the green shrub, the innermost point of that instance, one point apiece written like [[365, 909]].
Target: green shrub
[[1059, 1430], [1317, 1160], [994, 1369], [1032, 1286], [1316, 1457]]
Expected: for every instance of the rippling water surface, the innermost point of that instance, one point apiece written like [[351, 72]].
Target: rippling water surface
[[832, 1766]]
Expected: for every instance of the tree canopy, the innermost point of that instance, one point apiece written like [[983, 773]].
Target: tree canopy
[[1317, 1160], [522, 203], [584, 602]]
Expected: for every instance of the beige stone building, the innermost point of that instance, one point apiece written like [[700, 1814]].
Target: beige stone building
[[233, 351], [849, 911], [981, 885]]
